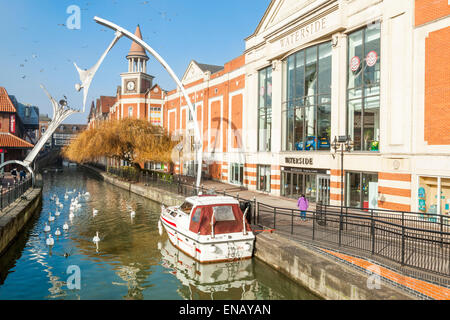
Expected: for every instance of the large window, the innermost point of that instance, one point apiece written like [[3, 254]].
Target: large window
[[428, 199], [263, 178], [237, 173], [265, 109], [362, 190], [307, 102], [363, 94]]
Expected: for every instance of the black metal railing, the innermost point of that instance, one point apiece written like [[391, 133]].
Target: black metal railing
[[10, 192], [410, 239], [417, 240]]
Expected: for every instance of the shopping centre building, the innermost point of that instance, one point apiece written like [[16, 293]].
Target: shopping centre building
[[372, 72]]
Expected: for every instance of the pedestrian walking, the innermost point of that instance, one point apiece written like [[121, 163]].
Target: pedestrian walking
[[22, 175], [14, 174], [303, 205]]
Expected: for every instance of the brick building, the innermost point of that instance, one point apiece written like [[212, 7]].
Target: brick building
[[374, 71], [13, 131]]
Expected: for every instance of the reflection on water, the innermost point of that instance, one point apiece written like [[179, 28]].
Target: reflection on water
[[131, 260]]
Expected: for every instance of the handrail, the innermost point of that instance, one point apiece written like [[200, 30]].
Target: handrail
[[244, 230]]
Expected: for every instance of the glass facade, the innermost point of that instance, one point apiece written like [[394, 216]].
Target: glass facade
[[363, 88], [313, 183], [428, 200], [265, 109], [263, 178], [237, 173], [362, 190], [306, 113]]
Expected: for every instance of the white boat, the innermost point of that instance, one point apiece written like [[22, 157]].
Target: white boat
[[209, 228], [204, 280]]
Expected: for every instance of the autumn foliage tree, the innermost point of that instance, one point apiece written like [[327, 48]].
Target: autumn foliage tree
[[131, 140]]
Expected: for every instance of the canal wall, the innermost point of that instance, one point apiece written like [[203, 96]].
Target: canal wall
[[16, 215], [161, 196], [324, 276]]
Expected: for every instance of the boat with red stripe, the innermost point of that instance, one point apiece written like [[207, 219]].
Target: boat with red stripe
[[209, 228]]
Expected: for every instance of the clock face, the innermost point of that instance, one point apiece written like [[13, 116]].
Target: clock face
[[130, 85]]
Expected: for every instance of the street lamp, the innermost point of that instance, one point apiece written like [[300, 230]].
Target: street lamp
[[342, 143], [179, 148]]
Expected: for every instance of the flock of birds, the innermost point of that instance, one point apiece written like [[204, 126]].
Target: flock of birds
[[75, 206]]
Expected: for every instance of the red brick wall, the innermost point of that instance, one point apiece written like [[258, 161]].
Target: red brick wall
[[437, 87], [429, 10]]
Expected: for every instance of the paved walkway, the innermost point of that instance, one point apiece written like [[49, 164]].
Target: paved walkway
[[274, 201]]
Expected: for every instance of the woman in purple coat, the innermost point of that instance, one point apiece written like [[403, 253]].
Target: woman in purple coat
[[303, 204]]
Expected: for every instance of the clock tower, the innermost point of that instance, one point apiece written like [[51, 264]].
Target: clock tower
[[136, 81]]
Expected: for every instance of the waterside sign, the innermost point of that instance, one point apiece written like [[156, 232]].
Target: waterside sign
[[302, 161], [305, 33]]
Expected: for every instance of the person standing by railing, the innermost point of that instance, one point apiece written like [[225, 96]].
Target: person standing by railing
[[303, 205]]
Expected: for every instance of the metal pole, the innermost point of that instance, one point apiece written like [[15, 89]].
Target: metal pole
[[292, 221], [274, 216], [403, 238], [342, 190]]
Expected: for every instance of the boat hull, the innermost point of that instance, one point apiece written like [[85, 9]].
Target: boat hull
[[205, 249]]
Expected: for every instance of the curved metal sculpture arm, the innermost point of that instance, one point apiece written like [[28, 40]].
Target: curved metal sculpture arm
[[55, 104], [134, 38], [86, 76], [59, 115]]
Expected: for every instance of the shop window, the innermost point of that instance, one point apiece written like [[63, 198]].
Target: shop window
[[263, 178], [237, 173], [306, 118], [265, 109], [363, 88], [362, 190], [434, 195]]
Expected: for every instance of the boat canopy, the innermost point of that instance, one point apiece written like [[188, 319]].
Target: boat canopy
[[228, 218]]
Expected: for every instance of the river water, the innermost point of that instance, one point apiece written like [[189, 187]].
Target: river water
[[131, 260]]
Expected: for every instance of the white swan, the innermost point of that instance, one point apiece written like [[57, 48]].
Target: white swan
[[47, 228], [96, 239], [71, 215], [50, 241], [57, 232], [50, 218], [65, 226], [57, 213]]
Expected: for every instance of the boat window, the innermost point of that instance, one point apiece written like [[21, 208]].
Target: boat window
[[196, 216], [186, 207], [223, 213]]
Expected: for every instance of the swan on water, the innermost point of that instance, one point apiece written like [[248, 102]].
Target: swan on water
[[50, 241], [47, 228], [96, 239], [57, 232], [65, 226], [57, 213], [50, 218]]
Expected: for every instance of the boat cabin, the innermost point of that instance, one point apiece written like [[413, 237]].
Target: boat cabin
[[224, 211]]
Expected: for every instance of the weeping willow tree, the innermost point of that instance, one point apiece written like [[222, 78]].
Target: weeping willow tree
[[131, 140]]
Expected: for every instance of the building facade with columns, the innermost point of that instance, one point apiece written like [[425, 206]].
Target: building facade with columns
[[370, 70]]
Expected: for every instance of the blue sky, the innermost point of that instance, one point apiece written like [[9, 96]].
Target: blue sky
[[37, 48]]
